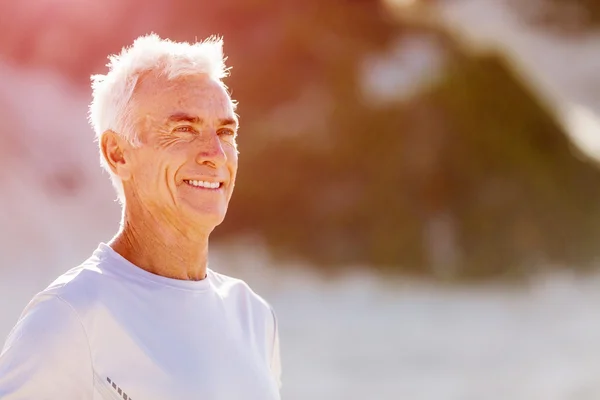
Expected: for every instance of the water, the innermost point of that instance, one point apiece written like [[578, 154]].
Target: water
[[358, 337]]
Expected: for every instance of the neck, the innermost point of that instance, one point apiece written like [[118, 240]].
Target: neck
[[160, 248]]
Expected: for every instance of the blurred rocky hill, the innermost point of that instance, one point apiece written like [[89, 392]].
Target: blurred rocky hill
[[371, 134]]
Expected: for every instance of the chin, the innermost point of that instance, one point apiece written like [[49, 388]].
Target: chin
[[205, 216]]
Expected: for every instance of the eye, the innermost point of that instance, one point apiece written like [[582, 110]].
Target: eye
[[226, 132], [185, 128]]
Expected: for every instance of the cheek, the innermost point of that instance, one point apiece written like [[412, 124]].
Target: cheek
[[232, 161], [154, 167]]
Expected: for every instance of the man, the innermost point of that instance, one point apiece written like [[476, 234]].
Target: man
[[144, 318]]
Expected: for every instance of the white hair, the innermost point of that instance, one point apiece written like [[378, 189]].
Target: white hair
[[111, 93]]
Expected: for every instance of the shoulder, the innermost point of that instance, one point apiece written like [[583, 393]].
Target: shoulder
[[76, 288], [47, 318], [46, 355], [241, 291], [252, 306]]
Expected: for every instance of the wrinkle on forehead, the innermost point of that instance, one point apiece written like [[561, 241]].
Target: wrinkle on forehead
[[156, 98]]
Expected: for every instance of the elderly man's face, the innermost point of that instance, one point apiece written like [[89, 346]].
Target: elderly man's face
[[186, 166]]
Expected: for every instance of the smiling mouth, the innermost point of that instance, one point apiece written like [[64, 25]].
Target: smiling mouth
[[204, 184]]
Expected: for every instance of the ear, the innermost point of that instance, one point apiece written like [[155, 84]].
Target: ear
[[114, 149]]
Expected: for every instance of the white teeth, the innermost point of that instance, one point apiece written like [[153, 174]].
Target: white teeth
[[204, 184]]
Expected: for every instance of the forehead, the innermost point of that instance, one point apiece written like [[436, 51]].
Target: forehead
[[157, 97]]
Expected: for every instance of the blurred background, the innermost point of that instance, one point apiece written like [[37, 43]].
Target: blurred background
[[419, 185]]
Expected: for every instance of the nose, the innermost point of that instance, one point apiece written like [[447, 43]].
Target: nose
[[211, 152]]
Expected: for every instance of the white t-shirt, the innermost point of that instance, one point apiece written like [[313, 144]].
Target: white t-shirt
[[109, 330]]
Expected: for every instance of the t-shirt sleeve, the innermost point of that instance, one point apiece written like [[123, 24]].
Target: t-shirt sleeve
[[276, 353], [46, 355]]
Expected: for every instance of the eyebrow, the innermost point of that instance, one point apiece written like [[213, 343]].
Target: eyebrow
[[183, 117]]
